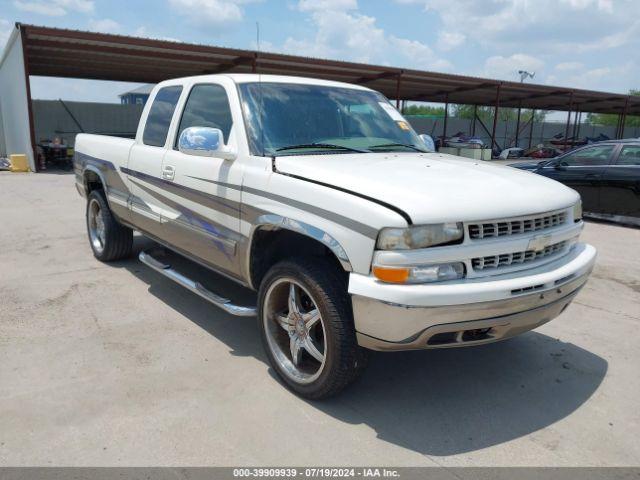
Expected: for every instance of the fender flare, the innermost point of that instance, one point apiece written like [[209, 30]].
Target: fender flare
[[93, 169], [272, 221]]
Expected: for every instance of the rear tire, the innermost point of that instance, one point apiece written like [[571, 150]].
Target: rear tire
[[109, 239], [306, 324]]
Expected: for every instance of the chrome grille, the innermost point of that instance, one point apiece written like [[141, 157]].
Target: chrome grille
[[500, 228], [507, 259]]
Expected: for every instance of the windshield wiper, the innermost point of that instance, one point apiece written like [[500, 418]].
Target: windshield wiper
[[407, 145], [320, 146]]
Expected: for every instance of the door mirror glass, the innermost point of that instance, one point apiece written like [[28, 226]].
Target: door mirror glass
[[203, 142], [428, 141]]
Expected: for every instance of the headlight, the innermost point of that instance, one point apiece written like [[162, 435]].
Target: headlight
[[577, 211], [420, 273], [420, 236]]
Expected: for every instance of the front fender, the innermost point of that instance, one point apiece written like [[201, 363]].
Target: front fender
[[273, 221]]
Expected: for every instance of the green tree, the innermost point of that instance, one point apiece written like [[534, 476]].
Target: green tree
[[466, 111], [423, 110], [486, 113], [611, 119]]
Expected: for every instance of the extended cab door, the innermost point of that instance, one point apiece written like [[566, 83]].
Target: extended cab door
[[621, 184], [205, 194], [582, 170], [144, 169]]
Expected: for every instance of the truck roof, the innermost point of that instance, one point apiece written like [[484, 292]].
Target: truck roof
[[254, 77]]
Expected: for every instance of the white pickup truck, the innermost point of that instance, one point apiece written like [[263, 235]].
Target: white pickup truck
[[320, 196]]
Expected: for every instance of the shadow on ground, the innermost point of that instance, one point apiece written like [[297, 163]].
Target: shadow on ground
[[58, 170], [435, 402]]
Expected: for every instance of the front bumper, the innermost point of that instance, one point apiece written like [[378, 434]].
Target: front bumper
[[406, 317]]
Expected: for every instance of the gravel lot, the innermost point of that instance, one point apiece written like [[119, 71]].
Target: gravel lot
[[105, 365]]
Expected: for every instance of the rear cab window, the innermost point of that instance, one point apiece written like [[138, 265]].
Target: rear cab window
[[160, 115]]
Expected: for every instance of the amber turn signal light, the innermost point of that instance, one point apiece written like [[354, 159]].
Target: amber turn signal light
[[391, 275]]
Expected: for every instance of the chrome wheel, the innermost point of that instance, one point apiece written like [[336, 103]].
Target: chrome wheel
[[294, 330], [95, 222]]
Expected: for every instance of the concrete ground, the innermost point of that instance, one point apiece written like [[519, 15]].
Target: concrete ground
[[104, 365]]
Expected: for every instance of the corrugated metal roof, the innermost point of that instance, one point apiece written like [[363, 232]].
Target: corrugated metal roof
[[71, 53], [143, 90]]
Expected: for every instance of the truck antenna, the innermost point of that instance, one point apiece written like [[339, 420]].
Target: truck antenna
[[258, 36]]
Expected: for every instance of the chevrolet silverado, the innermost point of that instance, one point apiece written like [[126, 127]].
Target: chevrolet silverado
[[321, 197]]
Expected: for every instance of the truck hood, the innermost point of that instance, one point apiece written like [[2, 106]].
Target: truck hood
[[433, 187]]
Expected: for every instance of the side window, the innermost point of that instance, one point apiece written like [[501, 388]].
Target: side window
[[159, 118], [207, 106], [629, 155], [588, 157]]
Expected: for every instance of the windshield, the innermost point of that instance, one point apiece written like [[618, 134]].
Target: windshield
[[296, 119]]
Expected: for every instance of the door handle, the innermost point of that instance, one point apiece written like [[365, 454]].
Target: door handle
[[168, 172]]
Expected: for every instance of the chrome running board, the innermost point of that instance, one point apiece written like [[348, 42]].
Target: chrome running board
[[197, 288]]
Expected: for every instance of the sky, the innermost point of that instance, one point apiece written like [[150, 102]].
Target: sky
[[593, 44]]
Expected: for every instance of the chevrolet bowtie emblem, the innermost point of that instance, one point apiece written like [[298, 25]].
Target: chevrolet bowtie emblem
[[539, 242]]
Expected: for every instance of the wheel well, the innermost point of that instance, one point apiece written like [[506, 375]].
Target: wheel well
[[269, 246], [92, 181]]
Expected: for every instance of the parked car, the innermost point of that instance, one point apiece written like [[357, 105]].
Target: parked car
[[606, 174], [542, 152], [320, 196], [513, 152], [462, 140]]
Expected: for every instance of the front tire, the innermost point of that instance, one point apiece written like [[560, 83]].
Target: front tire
[[306, 324], [109, 239]]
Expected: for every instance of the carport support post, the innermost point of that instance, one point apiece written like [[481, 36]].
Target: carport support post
[[475, 116], [624, 118], [495, 117], [27, 81], [446, 116], [533, 116], [518, 125], [575, 123], [621, 127], [566, 130], [398, 90], [617, 134]]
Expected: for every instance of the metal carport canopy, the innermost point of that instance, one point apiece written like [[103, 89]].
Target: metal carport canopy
[[77, 54]]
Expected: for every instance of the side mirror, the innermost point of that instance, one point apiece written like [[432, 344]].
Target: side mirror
[[204, 142], [560, 166], [428, 141]]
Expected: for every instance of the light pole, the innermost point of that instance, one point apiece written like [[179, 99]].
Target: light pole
[[523, 76]]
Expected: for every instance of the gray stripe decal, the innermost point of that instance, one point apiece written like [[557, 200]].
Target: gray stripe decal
[[83, 159], [225, 205], [106, 168], [208, 227], [139, 206], [184, 220], [354, 225], [214, 202]]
